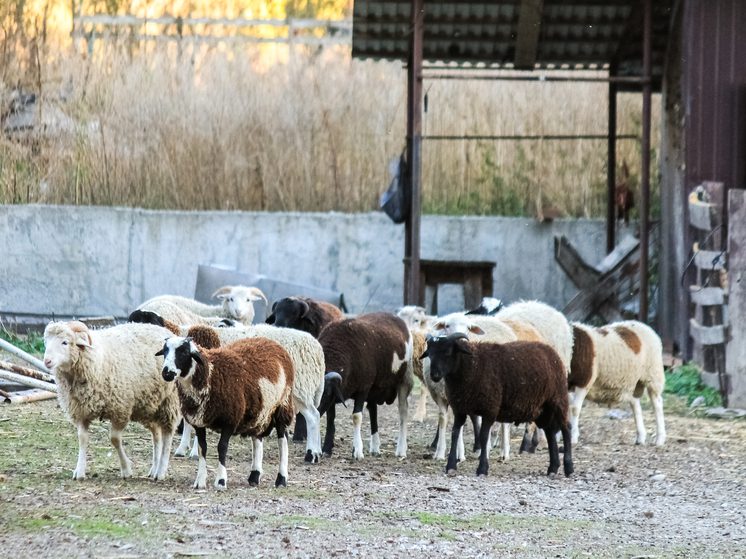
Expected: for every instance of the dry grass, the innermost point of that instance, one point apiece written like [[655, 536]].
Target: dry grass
[[249, 129]]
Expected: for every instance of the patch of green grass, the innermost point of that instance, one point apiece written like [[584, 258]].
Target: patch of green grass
[[684, 381], [87, 526], [32, 343]]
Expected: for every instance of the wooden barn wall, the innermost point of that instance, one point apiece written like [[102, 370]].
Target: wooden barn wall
[[705, 93], [715, 91]]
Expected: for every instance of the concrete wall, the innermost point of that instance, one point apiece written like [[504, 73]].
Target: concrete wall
[[94, 260]]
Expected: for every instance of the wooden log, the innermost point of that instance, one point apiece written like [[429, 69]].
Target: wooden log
[[25, 371], [735, 358], [707, 296], [27, 381], [34, 395], [709, 260], [10, 348], [707, 335]]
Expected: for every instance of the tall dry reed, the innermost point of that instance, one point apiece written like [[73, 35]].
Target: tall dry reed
[[238, 128]]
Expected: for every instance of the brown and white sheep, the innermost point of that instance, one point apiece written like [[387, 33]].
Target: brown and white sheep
[[618, 363], [243, 388], [367, 359], [514, 382]]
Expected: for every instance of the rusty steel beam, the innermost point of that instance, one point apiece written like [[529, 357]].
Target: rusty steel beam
[[645, 171], [611, 170], [414, 155]]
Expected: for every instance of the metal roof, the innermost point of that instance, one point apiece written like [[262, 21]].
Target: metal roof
[[517, 34]]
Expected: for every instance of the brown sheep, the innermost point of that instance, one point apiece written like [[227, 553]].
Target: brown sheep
[[243, 388]]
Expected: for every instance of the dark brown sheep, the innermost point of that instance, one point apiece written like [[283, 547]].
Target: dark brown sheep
[[515, 382], [308, 315], [368, 359], [243, 388]]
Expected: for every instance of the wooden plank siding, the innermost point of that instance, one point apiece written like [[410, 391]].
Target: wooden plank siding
[[703, 137]]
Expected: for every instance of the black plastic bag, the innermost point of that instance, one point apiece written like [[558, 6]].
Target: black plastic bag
[[397, 199]]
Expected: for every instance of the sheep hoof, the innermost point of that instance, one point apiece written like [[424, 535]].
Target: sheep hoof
[[254, 478], [569, 470], [311, 457], [78, 476], [551, 474], [281, 481], [220, 484], [451, 472]]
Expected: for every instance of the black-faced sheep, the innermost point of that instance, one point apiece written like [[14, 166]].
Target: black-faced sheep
[[240, 389], [367, 359], [308, 363], [308, 315], [237, 304], [514, 382], [113, 374], [617, 363], [303, 313]]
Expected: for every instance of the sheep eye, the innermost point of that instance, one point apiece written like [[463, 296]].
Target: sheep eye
[[64, 342]]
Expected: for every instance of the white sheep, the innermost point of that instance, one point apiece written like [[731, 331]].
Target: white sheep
[[308, 361], [237, 304], [628, 359], [113, 374]]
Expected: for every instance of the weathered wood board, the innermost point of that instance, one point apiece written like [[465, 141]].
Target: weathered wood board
[[735, 357]]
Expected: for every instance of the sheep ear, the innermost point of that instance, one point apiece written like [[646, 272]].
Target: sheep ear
[[474, 329], [195, 353], [161, 351], [223, 292], [305, 310], [334, 381], [255, 294], [462, 345], [426, 354], [270, 319], [440, 325], [83, 339]]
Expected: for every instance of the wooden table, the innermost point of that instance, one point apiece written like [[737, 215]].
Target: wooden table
[[475, 276]]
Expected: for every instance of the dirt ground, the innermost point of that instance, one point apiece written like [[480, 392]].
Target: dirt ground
[[686, 499]]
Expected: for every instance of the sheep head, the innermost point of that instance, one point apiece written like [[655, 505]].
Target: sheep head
[[238, 301], [445, 353], [63, 344], [180, 357], [453, 324], [289, 312]]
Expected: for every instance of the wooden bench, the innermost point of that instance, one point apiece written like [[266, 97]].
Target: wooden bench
[[474, 276]]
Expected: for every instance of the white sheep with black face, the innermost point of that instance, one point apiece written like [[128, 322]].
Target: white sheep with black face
[[237, 303], [113, 374]]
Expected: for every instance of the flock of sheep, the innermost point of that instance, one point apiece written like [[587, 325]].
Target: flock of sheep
[[210, 366]]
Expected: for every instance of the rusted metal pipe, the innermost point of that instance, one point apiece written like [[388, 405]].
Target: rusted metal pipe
[[611, 172], [25, 371], [645, 172]]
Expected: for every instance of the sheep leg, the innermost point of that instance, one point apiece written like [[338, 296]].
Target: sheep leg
[[458, 422], [476, 423], [567, 451], [166, 440], [401, 443], [660, 425], [440, 449], [434, 445], [460, 449], [256, 461], [575, 407], [357, 423], [330, 431], [116, 441], [505, 440], [484, 443], [300, 432], [421, 412], [157, 436], [639, 424], [375, 439], [83, 438], [553, 450], [201, 481], [282, 441], [221, 479], [313, 439], [186, 438]]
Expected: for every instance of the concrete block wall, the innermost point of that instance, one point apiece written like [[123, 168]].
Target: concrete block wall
[[83, 261]]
